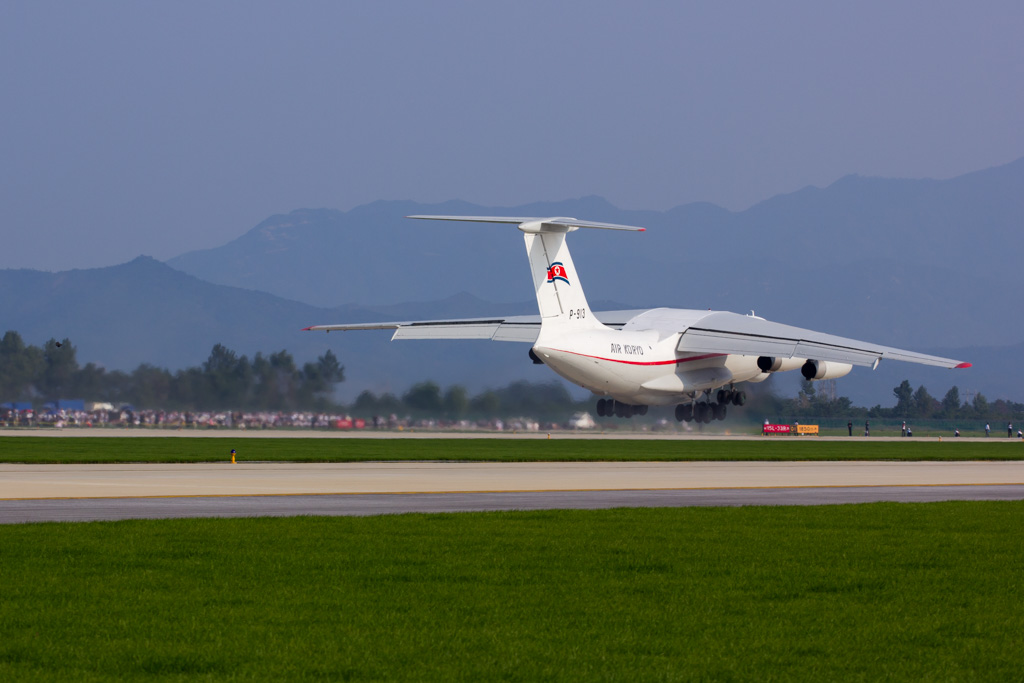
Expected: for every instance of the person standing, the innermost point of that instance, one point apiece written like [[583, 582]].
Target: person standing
[[1009, 430], [904, 428], [987, 430], [849, 427], [867, 428]]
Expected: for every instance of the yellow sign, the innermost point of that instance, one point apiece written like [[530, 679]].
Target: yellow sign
[[807, 429]]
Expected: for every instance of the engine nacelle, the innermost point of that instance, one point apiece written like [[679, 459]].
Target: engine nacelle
[[819, 369], [772, 364]]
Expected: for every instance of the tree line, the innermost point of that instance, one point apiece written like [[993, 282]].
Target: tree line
[[225, 381], [275, 382], [911, 404]]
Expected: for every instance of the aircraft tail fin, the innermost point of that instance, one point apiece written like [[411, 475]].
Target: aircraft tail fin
[[560, 297]]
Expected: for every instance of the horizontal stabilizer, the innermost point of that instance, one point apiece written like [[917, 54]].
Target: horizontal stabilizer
[[519, 328], [558, 224]]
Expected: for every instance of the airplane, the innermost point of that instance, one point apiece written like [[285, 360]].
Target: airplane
[[634, 359]]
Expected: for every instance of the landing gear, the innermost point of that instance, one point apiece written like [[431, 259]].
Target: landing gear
[[727, 396], [607, 407], [697, 412], [705, 411]]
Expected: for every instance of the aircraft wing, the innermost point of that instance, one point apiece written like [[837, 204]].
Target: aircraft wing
[[701, 332], [722, 332], [520, 328]]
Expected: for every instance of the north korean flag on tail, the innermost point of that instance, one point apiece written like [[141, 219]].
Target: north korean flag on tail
[[556, 271]]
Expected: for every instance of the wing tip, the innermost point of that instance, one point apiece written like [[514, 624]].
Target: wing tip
[[963, 365]]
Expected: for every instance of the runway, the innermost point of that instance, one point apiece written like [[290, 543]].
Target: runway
[[123, 491], [110, 509]]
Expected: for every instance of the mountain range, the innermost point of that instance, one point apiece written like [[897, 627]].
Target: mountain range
[[922, 264]]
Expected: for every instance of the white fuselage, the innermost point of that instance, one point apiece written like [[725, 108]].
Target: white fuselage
[[640, 366]]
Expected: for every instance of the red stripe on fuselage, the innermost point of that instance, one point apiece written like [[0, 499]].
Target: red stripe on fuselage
[[677, 361]]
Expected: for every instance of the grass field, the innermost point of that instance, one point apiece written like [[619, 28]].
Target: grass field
[[867, 592], [199, 449]]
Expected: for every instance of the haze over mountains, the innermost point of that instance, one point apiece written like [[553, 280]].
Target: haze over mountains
[[923, 264], [921, 261]]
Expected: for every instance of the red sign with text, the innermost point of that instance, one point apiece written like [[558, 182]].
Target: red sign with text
[[777, 429]]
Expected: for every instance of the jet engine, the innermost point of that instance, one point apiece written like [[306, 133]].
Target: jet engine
[[772, 364], [819, 369]]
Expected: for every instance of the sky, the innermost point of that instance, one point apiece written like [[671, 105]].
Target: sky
[[131, 128]]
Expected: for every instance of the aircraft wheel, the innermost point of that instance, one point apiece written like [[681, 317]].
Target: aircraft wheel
[[641, 410], [739, 398], [722, 393], [684, 412], [700, 411], [719, 411], [600, 407]]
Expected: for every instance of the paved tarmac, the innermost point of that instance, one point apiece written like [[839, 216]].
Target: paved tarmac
[[120, 491], [110, 509]]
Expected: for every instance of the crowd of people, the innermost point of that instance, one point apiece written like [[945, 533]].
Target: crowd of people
[[159, 419]]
